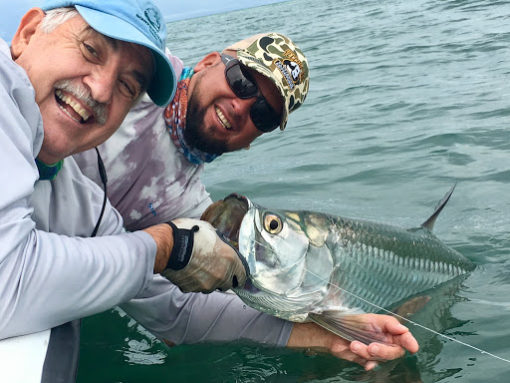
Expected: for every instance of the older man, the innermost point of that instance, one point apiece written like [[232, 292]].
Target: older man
[[154, 162], [70, 76]]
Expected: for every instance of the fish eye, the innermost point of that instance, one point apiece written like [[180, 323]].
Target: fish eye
[[272, 223]]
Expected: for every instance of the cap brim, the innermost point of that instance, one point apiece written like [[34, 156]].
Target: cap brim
[[163, 84], [264, 71]]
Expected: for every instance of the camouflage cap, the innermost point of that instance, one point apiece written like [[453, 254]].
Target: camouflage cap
[[275, 56]]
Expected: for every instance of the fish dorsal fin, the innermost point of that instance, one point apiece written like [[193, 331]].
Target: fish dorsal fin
[[429, 223]]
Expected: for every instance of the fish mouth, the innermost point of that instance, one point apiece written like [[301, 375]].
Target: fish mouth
[[226, 216]]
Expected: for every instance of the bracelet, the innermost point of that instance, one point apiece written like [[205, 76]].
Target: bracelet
[[183, 247]]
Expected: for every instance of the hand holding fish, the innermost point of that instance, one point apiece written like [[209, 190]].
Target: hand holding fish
[[397, 339], [200, 260]]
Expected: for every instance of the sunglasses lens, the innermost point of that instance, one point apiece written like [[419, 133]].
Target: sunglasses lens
[[263, 116], [239, 82]]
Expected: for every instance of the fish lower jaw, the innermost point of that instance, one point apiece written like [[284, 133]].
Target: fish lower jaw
[[300, 318], [275, 306]]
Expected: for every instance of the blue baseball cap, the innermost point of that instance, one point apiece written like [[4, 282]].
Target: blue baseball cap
[[133, 21]]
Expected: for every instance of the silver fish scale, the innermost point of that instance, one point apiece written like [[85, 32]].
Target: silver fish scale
[[384, 264]]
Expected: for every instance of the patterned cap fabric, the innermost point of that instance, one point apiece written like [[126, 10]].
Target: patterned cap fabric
[[275, 56]]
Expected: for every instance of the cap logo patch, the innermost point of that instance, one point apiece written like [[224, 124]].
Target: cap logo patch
[[295, 70], [295, 64], [291, 68], [284, 72], [153, 17], [152, 20]]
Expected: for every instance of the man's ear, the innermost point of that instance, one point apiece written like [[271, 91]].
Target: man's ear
[[27, 28], [211, 59]]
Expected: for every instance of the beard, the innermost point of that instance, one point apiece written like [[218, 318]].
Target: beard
[[195, 133]]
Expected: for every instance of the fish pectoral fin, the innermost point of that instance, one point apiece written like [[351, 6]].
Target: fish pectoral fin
[[410, 307], [348, 326]]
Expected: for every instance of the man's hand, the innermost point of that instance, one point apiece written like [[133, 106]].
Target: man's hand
[[200, 260], [398, 339]]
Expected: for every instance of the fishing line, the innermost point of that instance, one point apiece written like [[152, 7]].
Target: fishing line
[[412, 322], [401, 317]]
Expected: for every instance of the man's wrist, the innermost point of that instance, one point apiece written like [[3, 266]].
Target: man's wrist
[[310, 335], [162, 235]]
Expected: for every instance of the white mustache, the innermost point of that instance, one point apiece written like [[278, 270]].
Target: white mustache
[[83, 94]]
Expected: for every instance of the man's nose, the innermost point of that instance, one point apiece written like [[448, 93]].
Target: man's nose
[[243, 105], [101, 83]]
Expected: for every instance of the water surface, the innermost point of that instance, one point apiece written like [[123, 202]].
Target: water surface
[[406, 98]]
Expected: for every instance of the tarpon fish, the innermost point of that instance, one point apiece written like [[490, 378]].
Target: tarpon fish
[[309, 266]]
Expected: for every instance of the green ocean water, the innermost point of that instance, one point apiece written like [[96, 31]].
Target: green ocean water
[[406, 98]]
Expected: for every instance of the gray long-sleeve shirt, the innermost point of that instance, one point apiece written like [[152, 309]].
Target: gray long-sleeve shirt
[[49, 272]]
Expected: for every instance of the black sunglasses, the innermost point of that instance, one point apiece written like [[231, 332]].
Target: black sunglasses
[[262, 114]]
